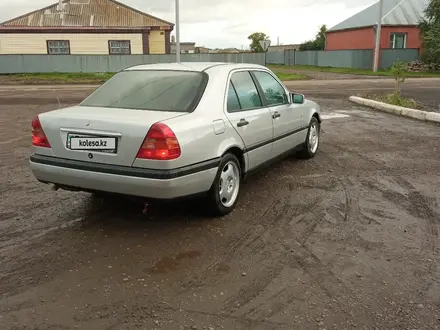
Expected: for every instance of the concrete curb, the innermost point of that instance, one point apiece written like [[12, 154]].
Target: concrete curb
[[396, 110]]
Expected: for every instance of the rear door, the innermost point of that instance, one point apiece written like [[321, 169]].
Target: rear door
[[287, 118], [249, 117]]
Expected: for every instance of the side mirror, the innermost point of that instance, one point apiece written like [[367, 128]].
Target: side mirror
[[297, 98]]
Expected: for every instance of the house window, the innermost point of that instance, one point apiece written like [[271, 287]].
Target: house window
[[398, 40], [119, 47], [58, 47]]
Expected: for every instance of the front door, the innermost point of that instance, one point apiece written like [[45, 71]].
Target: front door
[[287, 117], [250, 118]]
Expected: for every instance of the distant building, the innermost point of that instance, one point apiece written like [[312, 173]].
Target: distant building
[[202, 50], [280, 48], [205, 50], [95, 27], [399, 27], [225, 51], [185, 47], [229, 50]]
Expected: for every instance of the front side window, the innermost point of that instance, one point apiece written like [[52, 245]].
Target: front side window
[[58, 47], [155, 90], [246, 90], [398, 40], [273, 91], [119, 47]]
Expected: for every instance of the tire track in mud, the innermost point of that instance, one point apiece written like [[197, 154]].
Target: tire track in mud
[[123, 313], [281, 214], [274, 218], [423, 209], [415, 204], [351, 213], [318, 273], [368, 161], [248, 238], [301, 257]]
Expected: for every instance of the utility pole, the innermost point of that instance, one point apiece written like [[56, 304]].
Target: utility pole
[[177, 32], [378, 32]]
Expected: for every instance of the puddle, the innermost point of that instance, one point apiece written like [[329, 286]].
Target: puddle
[[334, 115]]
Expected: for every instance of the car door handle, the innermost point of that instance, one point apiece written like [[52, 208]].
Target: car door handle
[[276, 115], [242, 122]]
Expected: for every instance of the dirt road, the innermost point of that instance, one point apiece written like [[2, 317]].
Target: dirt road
[[425, 90], [348, 240]]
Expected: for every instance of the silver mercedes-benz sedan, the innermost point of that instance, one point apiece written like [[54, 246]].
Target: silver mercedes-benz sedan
[[165, 131]]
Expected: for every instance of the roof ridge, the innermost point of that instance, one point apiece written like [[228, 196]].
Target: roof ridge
[[69, 2], [27, 14], [358, 13], [397, 12], [392, 9], [139, 12]]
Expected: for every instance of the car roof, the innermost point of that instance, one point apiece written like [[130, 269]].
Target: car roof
[[193, 66]]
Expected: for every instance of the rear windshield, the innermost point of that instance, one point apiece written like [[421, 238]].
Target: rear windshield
[[177, 91]]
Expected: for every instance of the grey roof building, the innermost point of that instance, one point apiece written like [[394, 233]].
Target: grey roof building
[[395, 12]]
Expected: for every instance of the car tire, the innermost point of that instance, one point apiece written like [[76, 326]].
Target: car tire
[[225, 190], [311, 144]]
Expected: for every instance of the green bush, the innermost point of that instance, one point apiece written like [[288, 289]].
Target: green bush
[[400, 72]]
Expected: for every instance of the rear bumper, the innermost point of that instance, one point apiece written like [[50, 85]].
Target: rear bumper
[[160, 184]]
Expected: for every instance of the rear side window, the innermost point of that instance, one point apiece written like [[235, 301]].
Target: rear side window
[[160, 90], [233, 103], [246, 91], [273, 91]]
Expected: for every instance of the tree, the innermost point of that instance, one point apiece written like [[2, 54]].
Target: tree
[[256, 38], [399, 71], [318, 43], [430, 33], [320, 37]]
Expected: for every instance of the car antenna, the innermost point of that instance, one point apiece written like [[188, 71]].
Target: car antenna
[[59, 103]]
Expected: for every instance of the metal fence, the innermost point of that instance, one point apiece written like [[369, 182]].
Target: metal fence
[[360, 59], [109, 63], [278, 57], [389, 56]]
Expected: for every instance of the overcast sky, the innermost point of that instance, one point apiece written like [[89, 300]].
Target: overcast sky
[[227, 23]]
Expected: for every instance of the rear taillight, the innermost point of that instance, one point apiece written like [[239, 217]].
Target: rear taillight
[[160, 144], [39, 139]]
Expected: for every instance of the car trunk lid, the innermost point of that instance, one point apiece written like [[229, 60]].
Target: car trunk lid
[[100, 135]]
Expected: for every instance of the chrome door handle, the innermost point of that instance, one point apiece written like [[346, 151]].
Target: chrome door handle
[[276, 115], [242, 122]]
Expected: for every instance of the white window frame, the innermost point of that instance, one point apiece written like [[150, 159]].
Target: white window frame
[[393, 36], [110, 47], [49, 47]]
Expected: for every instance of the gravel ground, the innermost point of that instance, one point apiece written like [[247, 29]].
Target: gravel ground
[[348, 240]]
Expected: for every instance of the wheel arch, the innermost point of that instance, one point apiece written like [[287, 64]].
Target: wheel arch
[[239, 153], [317, 116]]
